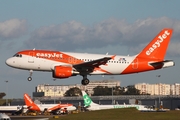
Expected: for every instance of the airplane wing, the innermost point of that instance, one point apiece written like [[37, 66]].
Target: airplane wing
[[89, 66]]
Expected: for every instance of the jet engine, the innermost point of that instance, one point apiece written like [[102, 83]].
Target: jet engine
[[63, 72]]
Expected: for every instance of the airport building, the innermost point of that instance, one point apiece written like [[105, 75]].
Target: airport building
[[158, 88], [104, 83], [46, 90]]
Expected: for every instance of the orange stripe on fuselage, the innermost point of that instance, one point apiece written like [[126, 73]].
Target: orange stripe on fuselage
[[54, 108], [59, 106], [52, 55], [140, 65]]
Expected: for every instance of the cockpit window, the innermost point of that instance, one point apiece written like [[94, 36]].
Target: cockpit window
[[17, 55]]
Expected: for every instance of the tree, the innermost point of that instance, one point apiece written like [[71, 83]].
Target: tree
[[118, 90], [2, 95], [73, 92], [131, 90], [100, 90]]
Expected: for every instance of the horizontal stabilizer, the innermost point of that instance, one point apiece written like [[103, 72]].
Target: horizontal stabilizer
[[162, 64]]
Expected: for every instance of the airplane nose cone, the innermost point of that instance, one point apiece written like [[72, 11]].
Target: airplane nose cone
[[9, 62], [73, 107]]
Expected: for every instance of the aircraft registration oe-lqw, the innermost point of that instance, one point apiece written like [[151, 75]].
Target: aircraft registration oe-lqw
[[52, 108], [67, 64], [90, 105]]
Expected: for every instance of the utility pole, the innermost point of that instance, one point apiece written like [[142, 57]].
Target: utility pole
[[6, 92], [159, 90], [112, 95], [54, 94]]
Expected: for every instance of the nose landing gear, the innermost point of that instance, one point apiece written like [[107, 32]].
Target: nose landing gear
[[30, 74]]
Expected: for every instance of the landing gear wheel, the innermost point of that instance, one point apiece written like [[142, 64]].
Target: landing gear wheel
[[85, 82], [29, 78], [30, 74]]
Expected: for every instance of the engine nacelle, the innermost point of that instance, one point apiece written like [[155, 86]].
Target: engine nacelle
[[62, 72]]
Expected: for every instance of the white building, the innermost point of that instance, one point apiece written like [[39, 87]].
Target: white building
[[158, 89], [104, 83], [145, 88], [54, 90], [59, 90], [175, 89]]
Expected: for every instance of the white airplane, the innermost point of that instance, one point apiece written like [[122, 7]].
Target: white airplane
[[67, 64], [4, 117], [53, 108], [90, 105], [14, 110]]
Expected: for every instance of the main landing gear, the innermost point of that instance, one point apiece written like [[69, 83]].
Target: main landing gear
[[30, 74], [85, 81]]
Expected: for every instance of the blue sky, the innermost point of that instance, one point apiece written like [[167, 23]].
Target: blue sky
[[114, 26]]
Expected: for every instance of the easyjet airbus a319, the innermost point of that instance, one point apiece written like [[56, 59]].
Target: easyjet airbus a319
[[67, 64]]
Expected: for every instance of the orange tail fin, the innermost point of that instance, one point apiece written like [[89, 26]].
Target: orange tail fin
[[156, 49], [31, 105], [28, 100]]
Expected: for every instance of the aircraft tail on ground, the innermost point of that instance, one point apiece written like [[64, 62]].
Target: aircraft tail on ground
[[30, 103], [87, 100]]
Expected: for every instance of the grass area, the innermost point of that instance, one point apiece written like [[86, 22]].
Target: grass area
[[124, 114], [3, 101]]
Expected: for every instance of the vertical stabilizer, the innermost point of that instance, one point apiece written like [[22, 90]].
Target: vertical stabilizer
[[156, 49], [28, 101], [87, 100]]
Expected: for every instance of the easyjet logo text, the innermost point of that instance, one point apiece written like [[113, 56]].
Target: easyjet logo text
[[49, 55], [158, 42]]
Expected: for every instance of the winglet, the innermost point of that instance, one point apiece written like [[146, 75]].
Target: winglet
[[112, 57]]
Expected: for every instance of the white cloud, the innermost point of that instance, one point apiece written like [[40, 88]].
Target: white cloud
[[174, 49], [13, 28], [72, 35]]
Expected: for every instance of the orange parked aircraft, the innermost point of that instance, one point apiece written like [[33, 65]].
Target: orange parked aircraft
[[53, 108]]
